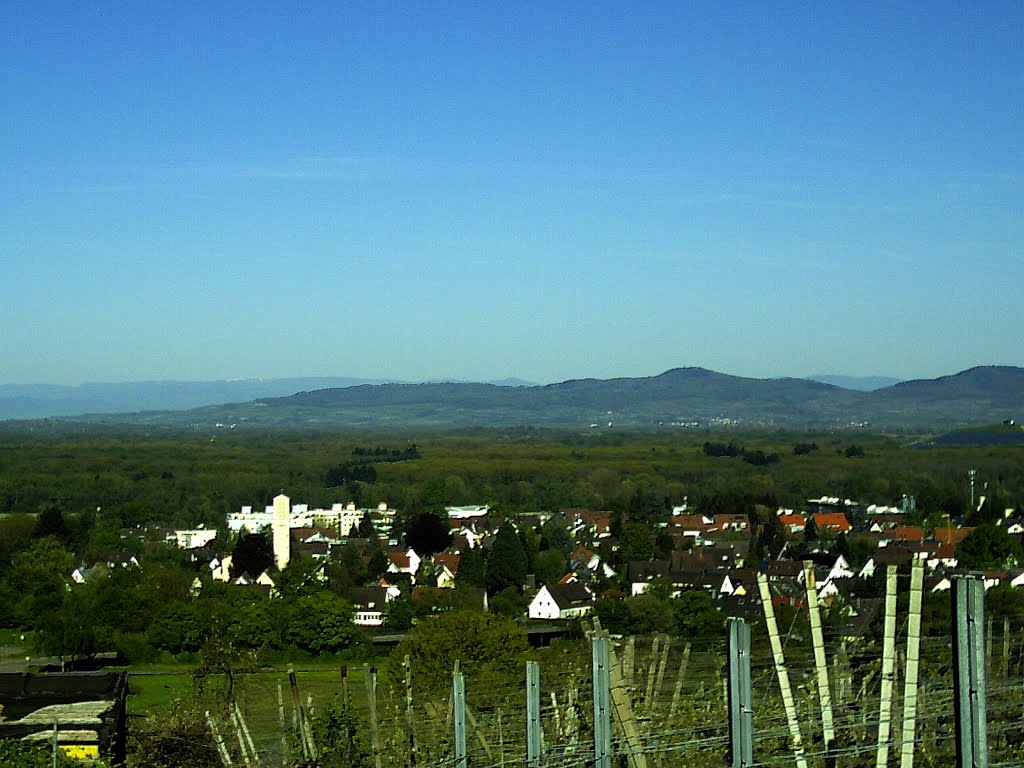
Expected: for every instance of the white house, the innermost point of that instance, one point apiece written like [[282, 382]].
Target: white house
[[404, 562], [466, 512], [561, 601], [192, 538], [369, 604]]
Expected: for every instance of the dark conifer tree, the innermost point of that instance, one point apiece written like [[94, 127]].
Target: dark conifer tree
[[507, 564]]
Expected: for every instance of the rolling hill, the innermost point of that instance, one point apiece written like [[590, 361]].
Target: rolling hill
[[693, 397]]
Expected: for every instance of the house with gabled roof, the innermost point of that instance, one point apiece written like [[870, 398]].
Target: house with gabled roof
[[831, 522], [403, 562], [689, 526], [641, 574], [908, 533], [793, 522], [369, 604], [446, 566], [561, 601], [736, 523]]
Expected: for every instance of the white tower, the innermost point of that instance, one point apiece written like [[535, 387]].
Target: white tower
[[282, 531]]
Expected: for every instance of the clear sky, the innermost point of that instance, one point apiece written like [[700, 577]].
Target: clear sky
[[479, 190]]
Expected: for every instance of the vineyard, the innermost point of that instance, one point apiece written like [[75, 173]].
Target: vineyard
[[666, 702]]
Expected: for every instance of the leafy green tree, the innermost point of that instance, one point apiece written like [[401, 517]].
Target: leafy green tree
[[367, 530], [68, 632], [398, 616], [650, 614], [507, 564], [490, 648], [253, 554], [378, 564], [549, 566], [322, 623], [299, 578], [50, 522], [509, 603], [988, 546], [696, 615], [257, 625], [635, 543], [428, 534], [181, 628], [472, 569], [350, 558], [15, 534], [554, 535], [614, 614], [39, 577]]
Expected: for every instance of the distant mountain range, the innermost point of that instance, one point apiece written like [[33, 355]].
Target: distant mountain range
[[38, 401], [679, 398]]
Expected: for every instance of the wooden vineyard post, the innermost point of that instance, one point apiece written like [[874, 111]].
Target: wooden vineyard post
[[222, 750], [624, 716], [913, 655], [242, 748], [1006, 650], [244, 728], [678, 692], [305, 736], [988, 647], [780, 670], [409, 719], [888, 666], [297, 714], [661, 671], [627, 660], [371, 701], [281, 722], [471, 719], [459, 700], [821, 665], [606, 666], [652, 669]]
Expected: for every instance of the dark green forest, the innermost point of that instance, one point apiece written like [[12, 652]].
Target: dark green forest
[[126, 478]]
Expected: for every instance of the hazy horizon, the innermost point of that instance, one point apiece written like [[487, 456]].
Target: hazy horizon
[[417, 380], [448, 191]]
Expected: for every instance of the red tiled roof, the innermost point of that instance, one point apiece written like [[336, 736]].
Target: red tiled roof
[[908, 533], [831, 521]]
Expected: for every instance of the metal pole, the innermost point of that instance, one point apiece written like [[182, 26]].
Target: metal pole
[[913, 656], [602, 709], [459, 697], [533, 714], [969, 672], [741, 713]]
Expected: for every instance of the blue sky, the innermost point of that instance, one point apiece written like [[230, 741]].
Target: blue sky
[[481, 190]]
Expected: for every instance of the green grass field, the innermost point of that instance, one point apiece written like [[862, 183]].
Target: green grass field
[[264, 697]]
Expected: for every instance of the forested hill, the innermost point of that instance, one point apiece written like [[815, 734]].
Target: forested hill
[[683, 396]]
